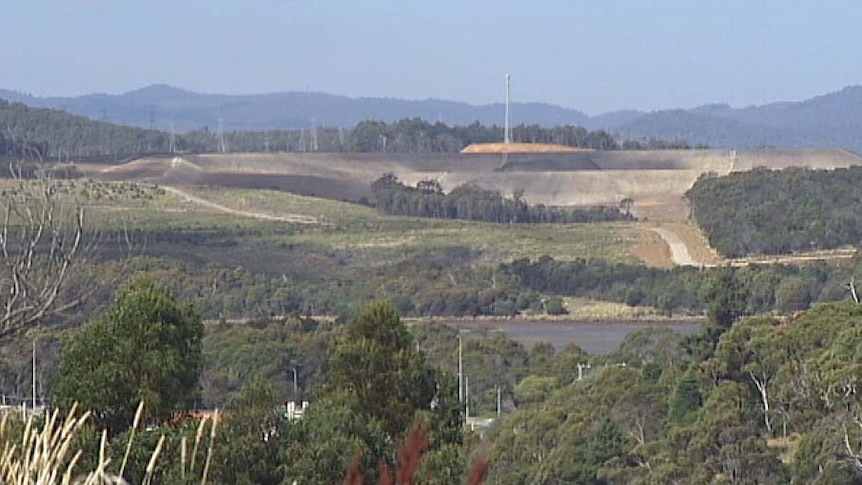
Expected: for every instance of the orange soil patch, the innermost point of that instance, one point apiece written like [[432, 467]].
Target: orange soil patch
[[521, 148]]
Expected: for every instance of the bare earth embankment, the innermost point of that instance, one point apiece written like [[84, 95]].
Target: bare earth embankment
[[655, 180]]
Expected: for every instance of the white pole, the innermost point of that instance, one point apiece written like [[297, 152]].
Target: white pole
[[460, 370], [507, 138], [467, 399], [34, 374], [499, 401]]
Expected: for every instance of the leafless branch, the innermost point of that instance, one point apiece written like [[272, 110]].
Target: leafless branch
[[45, 245]]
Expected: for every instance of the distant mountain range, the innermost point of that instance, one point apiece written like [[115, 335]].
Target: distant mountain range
[[830, 120]]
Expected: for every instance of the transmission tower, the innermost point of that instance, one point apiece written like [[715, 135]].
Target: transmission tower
[[172, 147], [507, 128], [222, 146], [302, 143], [152, 124], [314, 147]]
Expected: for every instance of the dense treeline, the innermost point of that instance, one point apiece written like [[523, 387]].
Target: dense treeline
[[762, 288], [58, 136], [470, 202], [758, 401], [411, 135], [417, 136], [778, 212], [452, 284]]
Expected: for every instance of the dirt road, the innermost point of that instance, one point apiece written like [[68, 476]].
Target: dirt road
[[678, 250], [292, 218]]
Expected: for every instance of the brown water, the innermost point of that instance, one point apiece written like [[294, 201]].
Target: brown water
[[595, 337]]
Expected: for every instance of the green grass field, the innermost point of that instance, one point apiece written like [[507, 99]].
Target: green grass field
[[162, 217], [357, 228]]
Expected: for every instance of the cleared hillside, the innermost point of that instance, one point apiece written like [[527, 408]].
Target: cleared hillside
[[572, 178]]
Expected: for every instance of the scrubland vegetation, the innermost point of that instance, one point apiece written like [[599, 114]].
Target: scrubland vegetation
[[766, 392], [779, 212]]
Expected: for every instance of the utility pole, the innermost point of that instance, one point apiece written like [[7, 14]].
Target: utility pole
[[172, 144], [222, 146], [34, 375], [467, 399], [460, 370], [507, 129]]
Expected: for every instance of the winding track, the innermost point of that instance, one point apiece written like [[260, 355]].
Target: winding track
[[292, 218]]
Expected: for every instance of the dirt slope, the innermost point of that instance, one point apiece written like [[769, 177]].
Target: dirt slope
[[573, 178], [655, 180]]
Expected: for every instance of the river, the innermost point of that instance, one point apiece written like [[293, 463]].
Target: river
[[595, 337]]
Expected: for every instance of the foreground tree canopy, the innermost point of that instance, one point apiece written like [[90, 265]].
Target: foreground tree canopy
[[772, 400], [146, 348], [379, 387]]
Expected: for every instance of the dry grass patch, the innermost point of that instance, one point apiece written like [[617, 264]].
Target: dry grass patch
[[584, 309], [45, 455]]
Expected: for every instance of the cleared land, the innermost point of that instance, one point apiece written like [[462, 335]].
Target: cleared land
[[564, 179], [655, 180]]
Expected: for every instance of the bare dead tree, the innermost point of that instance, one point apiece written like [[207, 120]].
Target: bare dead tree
[[45, 245]]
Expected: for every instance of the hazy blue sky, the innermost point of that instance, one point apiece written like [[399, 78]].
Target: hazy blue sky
[[592, 55]]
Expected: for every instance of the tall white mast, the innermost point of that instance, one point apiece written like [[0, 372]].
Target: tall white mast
[[507, 129]]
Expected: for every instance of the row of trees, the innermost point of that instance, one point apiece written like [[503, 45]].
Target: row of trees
[[761, 288], [778, 212], [60, 136], [470, 202], [415, 135], [451, 284], [53, 135]]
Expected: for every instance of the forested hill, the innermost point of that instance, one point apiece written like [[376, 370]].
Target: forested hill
[[59, 136], [830, 120], [164, 106], [779, 212]]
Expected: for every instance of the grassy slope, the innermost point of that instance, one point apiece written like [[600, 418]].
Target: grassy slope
[[345, 227], [355, 249]]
